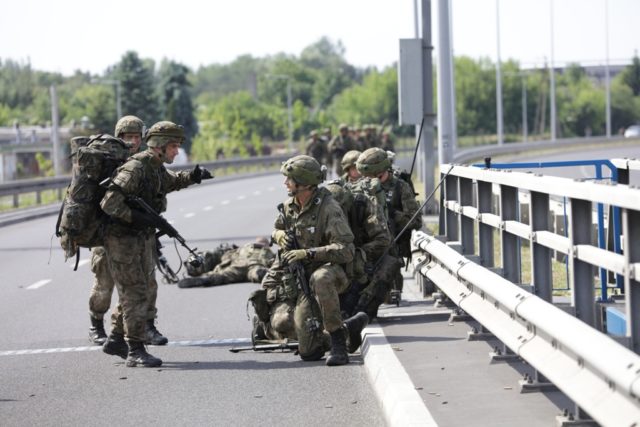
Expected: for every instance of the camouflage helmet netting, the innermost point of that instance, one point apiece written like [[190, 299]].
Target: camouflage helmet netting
[[349, 159], [164, 132], [128, 124], [303, 169], [373, 161]]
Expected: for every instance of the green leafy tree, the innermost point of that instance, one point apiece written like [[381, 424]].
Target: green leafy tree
[[137, 83], [631, 76], [175, 98]]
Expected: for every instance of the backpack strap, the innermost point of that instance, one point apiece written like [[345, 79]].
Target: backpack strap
[[75, 268]]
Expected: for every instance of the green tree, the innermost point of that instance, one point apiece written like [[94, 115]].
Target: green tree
[[175, 98], [137, 83], [631, 76]]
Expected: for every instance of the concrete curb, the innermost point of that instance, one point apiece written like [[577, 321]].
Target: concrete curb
[[401, 403]]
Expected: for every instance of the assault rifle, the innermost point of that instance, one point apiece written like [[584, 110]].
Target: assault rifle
[[268, 345], [297, 269], [161, 223]]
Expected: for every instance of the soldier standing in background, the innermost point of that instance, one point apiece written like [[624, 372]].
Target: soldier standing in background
[[316, 147], [339, 145], [130, 241]]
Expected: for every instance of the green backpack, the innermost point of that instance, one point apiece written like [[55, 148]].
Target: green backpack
[[81, 221]]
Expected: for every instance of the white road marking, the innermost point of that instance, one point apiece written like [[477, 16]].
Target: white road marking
[[83, 262], [170, 221], [241, 197], [225, 202], [189, 215], [271, 189], [257, 193], [38, 284], [220, 342], [207, 208]]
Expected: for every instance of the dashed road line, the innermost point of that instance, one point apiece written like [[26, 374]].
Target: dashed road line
[[225, 202], [257, 193], [38, 284], [191, 343], [241, 197], [189, 215], [83, 262], [207, 208]]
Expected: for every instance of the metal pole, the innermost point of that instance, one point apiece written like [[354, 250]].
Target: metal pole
[[118, 100], [607, 74], [446, 89], [55, 139], [429, 160], [552, 82], [420, 157], [290, 118], [499, 129], [525, 129]]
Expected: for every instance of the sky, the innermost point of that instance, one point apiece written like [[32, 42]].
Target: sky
[[66, 35]]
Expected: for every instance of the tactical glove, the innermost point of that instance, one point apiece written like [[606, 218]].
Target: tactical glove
[[198, 174], [281, 238], [294, 255]]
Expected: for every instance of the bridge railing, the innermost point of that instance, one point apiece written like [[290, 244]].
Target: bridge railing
[[564, 343]]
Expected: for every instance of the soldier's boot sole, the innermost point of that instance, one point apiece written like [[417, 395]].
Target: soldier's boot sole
[[143, 361]]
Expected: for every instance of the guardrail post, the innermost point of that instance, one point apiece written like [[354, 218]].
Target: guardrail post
[[467, 235], [38, 197], [16, 200], [631, 250], [510, 243], [451, 218], [542, 279], [581, 273], [485, 232]]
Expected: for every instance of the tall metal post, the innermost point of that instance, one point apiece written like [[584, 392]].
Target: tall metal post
[[607, 75], [289, 114], [446, 87], [499, 126], [552, 82], [525, 127], [55, 137], [427, 150]]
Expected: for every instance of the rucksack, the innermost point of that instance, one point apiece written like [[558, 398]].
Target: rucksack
[[81, 221]]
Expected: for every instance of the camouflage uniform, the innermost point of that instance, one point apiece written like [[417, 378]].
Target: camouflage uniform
[[130, 241], [399, 202], [324, 243], [316, 147], [246, 264], [339, 145]]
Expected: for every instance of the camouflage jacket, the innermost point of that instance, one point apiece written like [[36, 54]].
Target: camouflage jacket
[[319, 225], [146, 177], [247, 256], [401, 204], [366, 219], [317, 149]]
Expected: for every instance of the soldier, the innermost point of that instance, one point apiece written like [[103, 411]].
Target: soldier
[[400, 200], [311, 230], [130, 242], [246, 264], [339, 145], [129, 129], [316, 147], [372, 271]]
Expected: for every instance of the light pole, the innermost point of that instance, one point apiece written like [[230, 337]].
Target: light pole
[[116, 83], [552, 81], [498, 79], [289, 116], [607, 71]]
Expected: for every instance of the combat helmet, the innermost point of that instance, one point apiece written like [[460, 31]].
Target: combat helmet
[[162, 133], [129, 124], [349, 159], [373, 161], [304, 170]]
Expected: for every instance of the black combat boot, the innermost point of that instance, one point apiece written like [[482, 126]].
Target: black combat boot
[[97, 335], [138, 356], [194, 282], [115, 345], [338, 355], [354, 326], [154, 337]]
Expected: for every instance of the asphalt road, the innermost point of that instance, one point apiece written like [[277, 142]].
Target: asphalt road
[[59, 379]]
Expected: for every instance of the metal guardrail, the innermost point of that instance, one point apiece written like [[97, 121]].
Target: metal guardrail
[[225, 166], [597, 372]]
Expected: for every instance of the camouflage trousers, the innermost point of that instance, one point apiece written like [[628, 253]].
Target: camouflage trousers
[[131, 259], [103, 285], [287, 313], [235, 274]]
